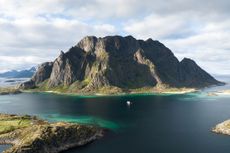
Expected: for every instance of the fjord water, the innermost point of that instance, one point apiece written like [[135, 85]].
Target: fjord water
[[153, 123], [9, 82]]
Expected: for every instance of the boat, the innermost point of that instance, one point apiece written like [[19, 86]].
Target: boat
[[128, 103]]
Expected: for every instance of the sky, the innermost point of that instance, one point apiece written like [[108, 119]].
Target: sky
[[35, 31]]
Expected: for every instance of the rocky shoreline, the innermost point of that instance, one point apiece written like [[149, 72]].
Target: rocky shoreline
[[222, 128], [219, 93], [28, 134], [175, 91], [223, 92], [118, 92]]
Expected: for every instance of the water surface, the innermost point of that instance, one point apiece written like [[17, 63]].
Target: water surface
[[152, 124], [10, 82], [161, 124]]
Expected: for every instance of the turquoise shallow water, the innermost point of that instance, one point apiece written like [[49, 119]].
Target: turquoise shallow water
[[87, 120], [152, 124]]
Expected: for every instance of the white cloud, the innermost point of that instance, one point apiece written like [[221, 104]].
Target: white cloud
[[161, 27], [37, 30], [9, 62], [43, 38]]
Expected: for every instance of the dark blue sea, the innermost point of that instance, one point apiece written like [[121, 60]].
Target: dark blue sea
[[152, 124]]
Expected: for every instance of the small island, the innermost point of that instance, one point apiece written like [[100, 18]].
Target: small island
[[222, 128], [225, 92], [29, 134]]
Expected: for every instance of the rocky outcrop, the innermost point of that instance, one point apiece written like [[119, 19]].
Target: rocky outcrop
[[43, 73], [121, 62], [68, 68], [27, 85], [222, 128], [30, 135]]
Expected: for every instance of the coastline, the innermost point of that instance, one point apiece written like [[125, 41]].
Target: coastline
[[223, 92], [222, 128], [90, 94], [220, 93], [9, 90]]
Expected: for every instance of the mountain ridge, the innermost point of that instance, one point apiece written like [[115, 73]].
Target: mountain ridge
[[28, 73], [123, 63]]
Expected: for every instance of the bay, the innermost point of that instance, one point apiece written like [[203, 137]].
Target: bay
[[151, 124], [171, 123]]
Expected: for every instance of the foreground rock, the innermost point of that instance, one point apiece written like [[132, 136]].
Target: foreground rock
[[28, 134], [116, 64], [222, 128]]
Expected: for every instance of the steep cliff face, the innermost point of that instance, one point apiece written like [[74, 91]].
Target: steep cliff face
[[192, 75], [67, 68], [121, 62], [43, 73]]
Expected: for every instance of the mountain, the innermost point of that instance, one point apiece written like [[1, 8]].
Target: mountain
[[116, 63], [19, 74]]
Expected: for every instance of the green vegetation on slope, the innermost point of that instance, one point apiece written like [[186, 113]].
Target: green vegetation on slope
[[11, 123], [81, 88], [28, 134]]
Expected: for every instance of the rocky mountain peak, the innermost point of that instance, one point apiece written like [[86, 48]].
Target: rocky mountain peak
[[61, 52], [88, 43], [121, 62], [188, 60]]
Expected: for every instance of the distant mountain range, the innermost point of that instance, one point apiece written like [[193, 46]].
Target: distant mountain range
[[19, 74], [116, 63]]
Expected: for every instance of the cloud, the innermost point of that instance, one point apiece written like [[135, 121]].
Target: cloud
[[37, 30], [42, 38], [169, 27], [210, 47], [8, 62]]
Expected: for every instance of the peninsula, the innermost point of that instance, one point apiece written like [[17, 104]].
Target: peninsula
[[29, 134]]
